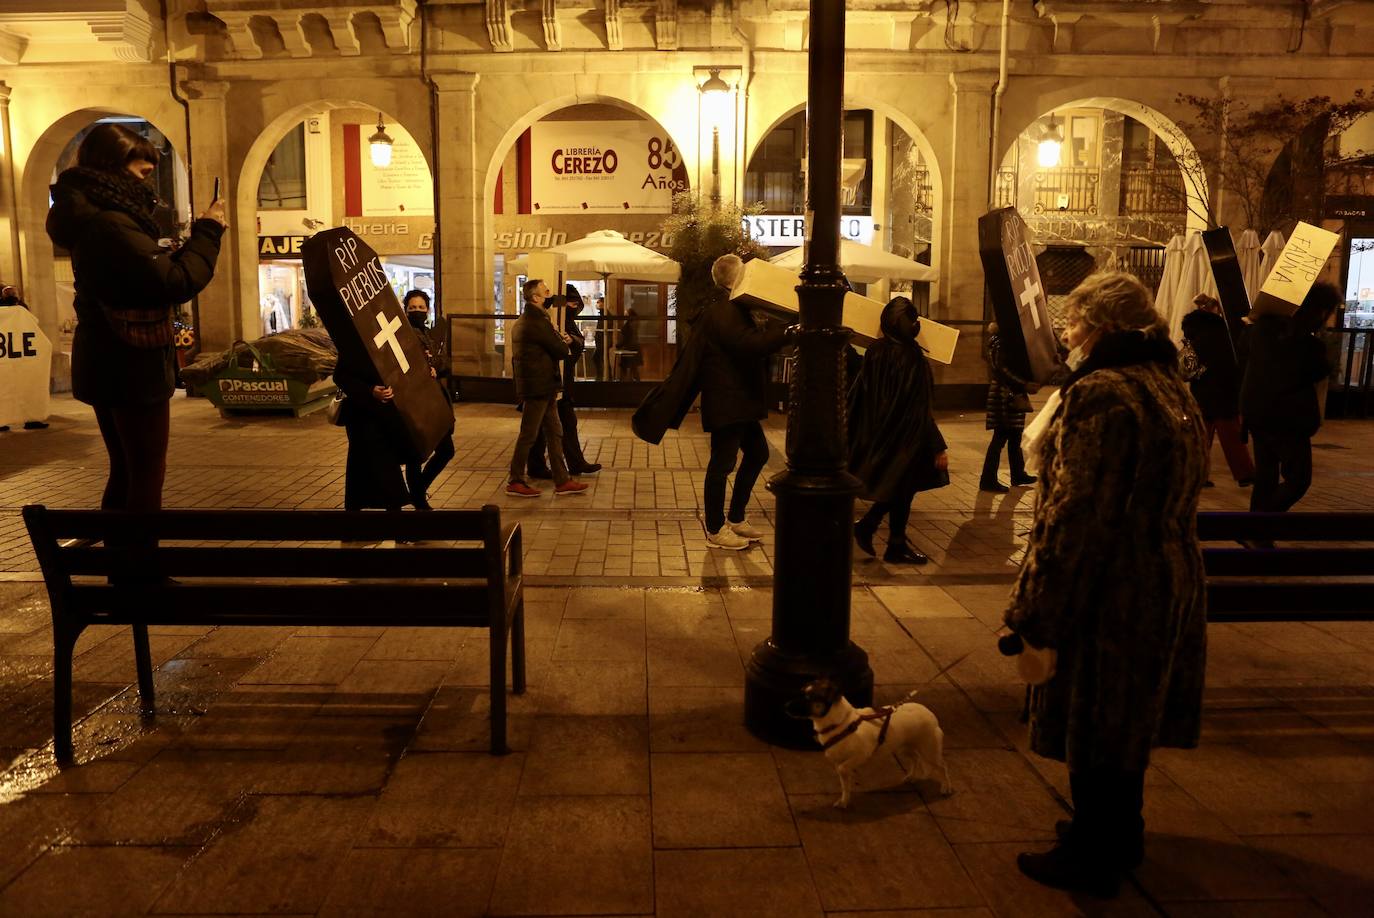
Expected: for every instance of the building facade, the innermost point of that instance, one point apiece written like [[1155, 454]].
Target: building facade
[[944, 101]]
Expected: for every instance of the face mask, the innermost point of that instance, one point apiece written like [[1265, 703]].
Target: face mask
[[417, 318], [1076, 357]]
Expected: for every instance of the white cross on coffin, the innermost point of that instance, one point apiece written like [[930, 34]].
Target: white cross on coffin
[[387, 336], [1028, 297]]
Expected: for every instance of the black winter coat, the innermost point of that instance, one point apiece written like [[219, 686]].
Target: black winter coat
[[1279, 389], [1008, 396], [117, 262], [893, 437], [377, 441], [1217, 388], [537, 353], [734, 365]]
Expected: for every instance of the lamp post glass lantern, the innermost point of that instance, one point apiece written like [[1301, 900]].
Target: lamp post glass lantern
[[715, 102], [379, 145], [1051, 146]]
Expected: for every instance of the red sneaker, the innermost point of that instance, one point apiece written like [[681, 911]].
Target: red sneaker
[[520, 489], [570, 487]]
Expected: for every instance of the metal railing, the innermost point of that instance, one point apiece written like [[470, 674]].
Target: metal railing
[[1155, 193]]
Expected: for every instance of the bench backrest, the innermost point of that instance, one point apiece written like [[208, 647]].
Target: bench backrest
[[234, 544], [1305, 582]]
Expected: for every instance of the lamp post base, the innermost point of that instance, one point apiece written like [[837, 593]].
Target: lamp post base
[[773, 678]]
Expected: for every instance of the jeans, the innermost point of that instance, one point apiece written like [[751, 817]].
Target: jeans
[[572, 446], [1237, 456], [1011, 439], [136, 439], [419, 478], [726, 446], [539, 413], [1280, 454]]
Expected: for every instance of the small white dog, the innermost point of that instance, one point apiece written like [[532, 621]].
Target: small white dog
[[851, 735]]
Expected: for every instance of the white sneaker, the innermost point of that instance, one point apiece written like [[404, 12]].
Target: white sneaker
[[744, 530], [726, 539]]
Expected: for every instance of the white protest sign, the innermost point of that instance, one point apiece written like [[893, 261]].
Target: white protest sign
[[1296, 269], [25, 362]]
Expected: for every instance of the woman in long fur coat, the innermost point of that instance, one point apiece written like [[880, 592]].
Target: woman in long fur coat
[[1112, 580]]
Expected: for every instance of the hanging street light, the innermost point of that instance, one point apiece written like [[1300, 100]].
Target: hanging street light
[[379, 145], [1051, 145]]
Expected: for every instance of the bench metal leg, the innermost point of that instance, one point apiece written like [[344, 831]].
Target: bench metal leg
[[498, 691], [143, 661], [517, 649], [64, 643]]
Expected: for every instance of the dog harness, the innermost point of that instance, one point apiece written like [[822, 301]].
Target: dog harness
[[884, 714]]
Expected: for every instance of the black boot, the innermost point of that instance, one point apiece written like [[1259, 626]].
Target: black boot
[[540, 470], [863, 538], [902, 553], [1072, 867], [993, 486]]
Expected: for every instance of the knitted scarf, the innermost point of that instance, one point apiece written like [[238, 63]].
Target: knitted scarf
[[119, 191]]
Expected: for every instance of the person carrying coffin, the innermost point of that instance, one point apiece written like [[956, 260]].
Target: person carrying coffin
[[895, 446], [1278, 397], [376, 439], [1007, 404], [567, 416], [537, 349], [734, 399], [127, 287], [420, 477], [1217, 385]]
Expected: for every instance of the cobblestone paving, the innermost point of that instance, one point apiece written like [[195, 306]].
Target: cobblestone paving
[[341, 771]]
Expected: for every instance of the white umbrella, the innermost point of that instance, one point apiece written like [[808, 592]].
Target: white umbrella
[[866, 264], [1196, 278], [1248, 254], [1168, 280], [605, 253], [1273, 246]]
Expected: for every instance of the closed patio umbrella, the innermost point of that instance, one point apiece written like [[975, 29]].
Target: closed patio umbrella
[[1248, 254], [866, 264], [1196, 278], [1168, 281], [1269, 252]]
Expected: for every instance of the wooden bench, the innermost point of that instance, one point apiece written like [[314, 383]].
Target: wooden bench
[[222, 578], [1301, 583]]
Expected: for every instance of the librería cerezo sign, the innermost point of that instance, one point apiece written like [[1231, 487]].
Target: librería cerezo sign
[[603, 167], [790, 229]]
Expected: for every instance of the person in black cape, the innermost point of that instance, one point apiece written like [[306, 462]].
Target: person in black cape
[[895, 447], [376, 439]]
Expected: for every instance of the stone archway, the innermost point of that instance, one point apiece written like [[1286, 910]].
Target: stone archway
[[919, 141], [250, 173], [1194, 184], [35, 174]]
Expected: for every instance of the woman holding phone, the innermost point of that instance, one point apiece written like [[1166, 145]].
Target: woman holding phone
[[127, 289]]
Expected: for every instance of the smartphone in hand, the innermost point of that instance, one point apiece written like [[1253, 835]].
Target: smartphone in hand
[[215, 196]]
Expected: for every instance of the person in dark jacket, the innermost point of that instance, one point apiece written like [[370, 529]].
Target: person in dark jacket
[[1112, 580], [419, 477], [1008, 402], [1278, 397], [734, 399], [376, 439], [631, 357], [538, 350], [895, 446], [127, 288], [567, 416], [1216, 385]]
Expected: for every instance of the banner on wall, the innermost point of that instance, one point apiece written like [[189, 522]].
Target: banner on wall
[[603, 167], [401, 189], [25, 362]]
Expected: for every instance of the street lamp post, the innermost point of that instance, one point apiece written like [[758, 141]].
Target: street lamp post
[[815, 495], [715, 93]]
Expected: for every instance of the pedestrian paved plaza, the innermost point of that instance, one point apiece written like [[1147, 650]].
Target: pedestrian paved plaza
[[343, 771]]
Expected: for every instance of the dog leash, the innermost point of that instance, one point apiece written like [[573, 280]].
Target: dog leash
[[885, 712]]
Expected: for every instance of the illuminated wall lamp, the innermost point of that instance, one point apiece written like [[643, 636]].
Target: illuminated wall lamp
[[379, 145]]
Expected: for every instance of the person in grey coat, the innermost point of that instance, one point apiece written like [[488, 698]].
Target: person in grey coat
[[538, 350], [1112, 580]]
